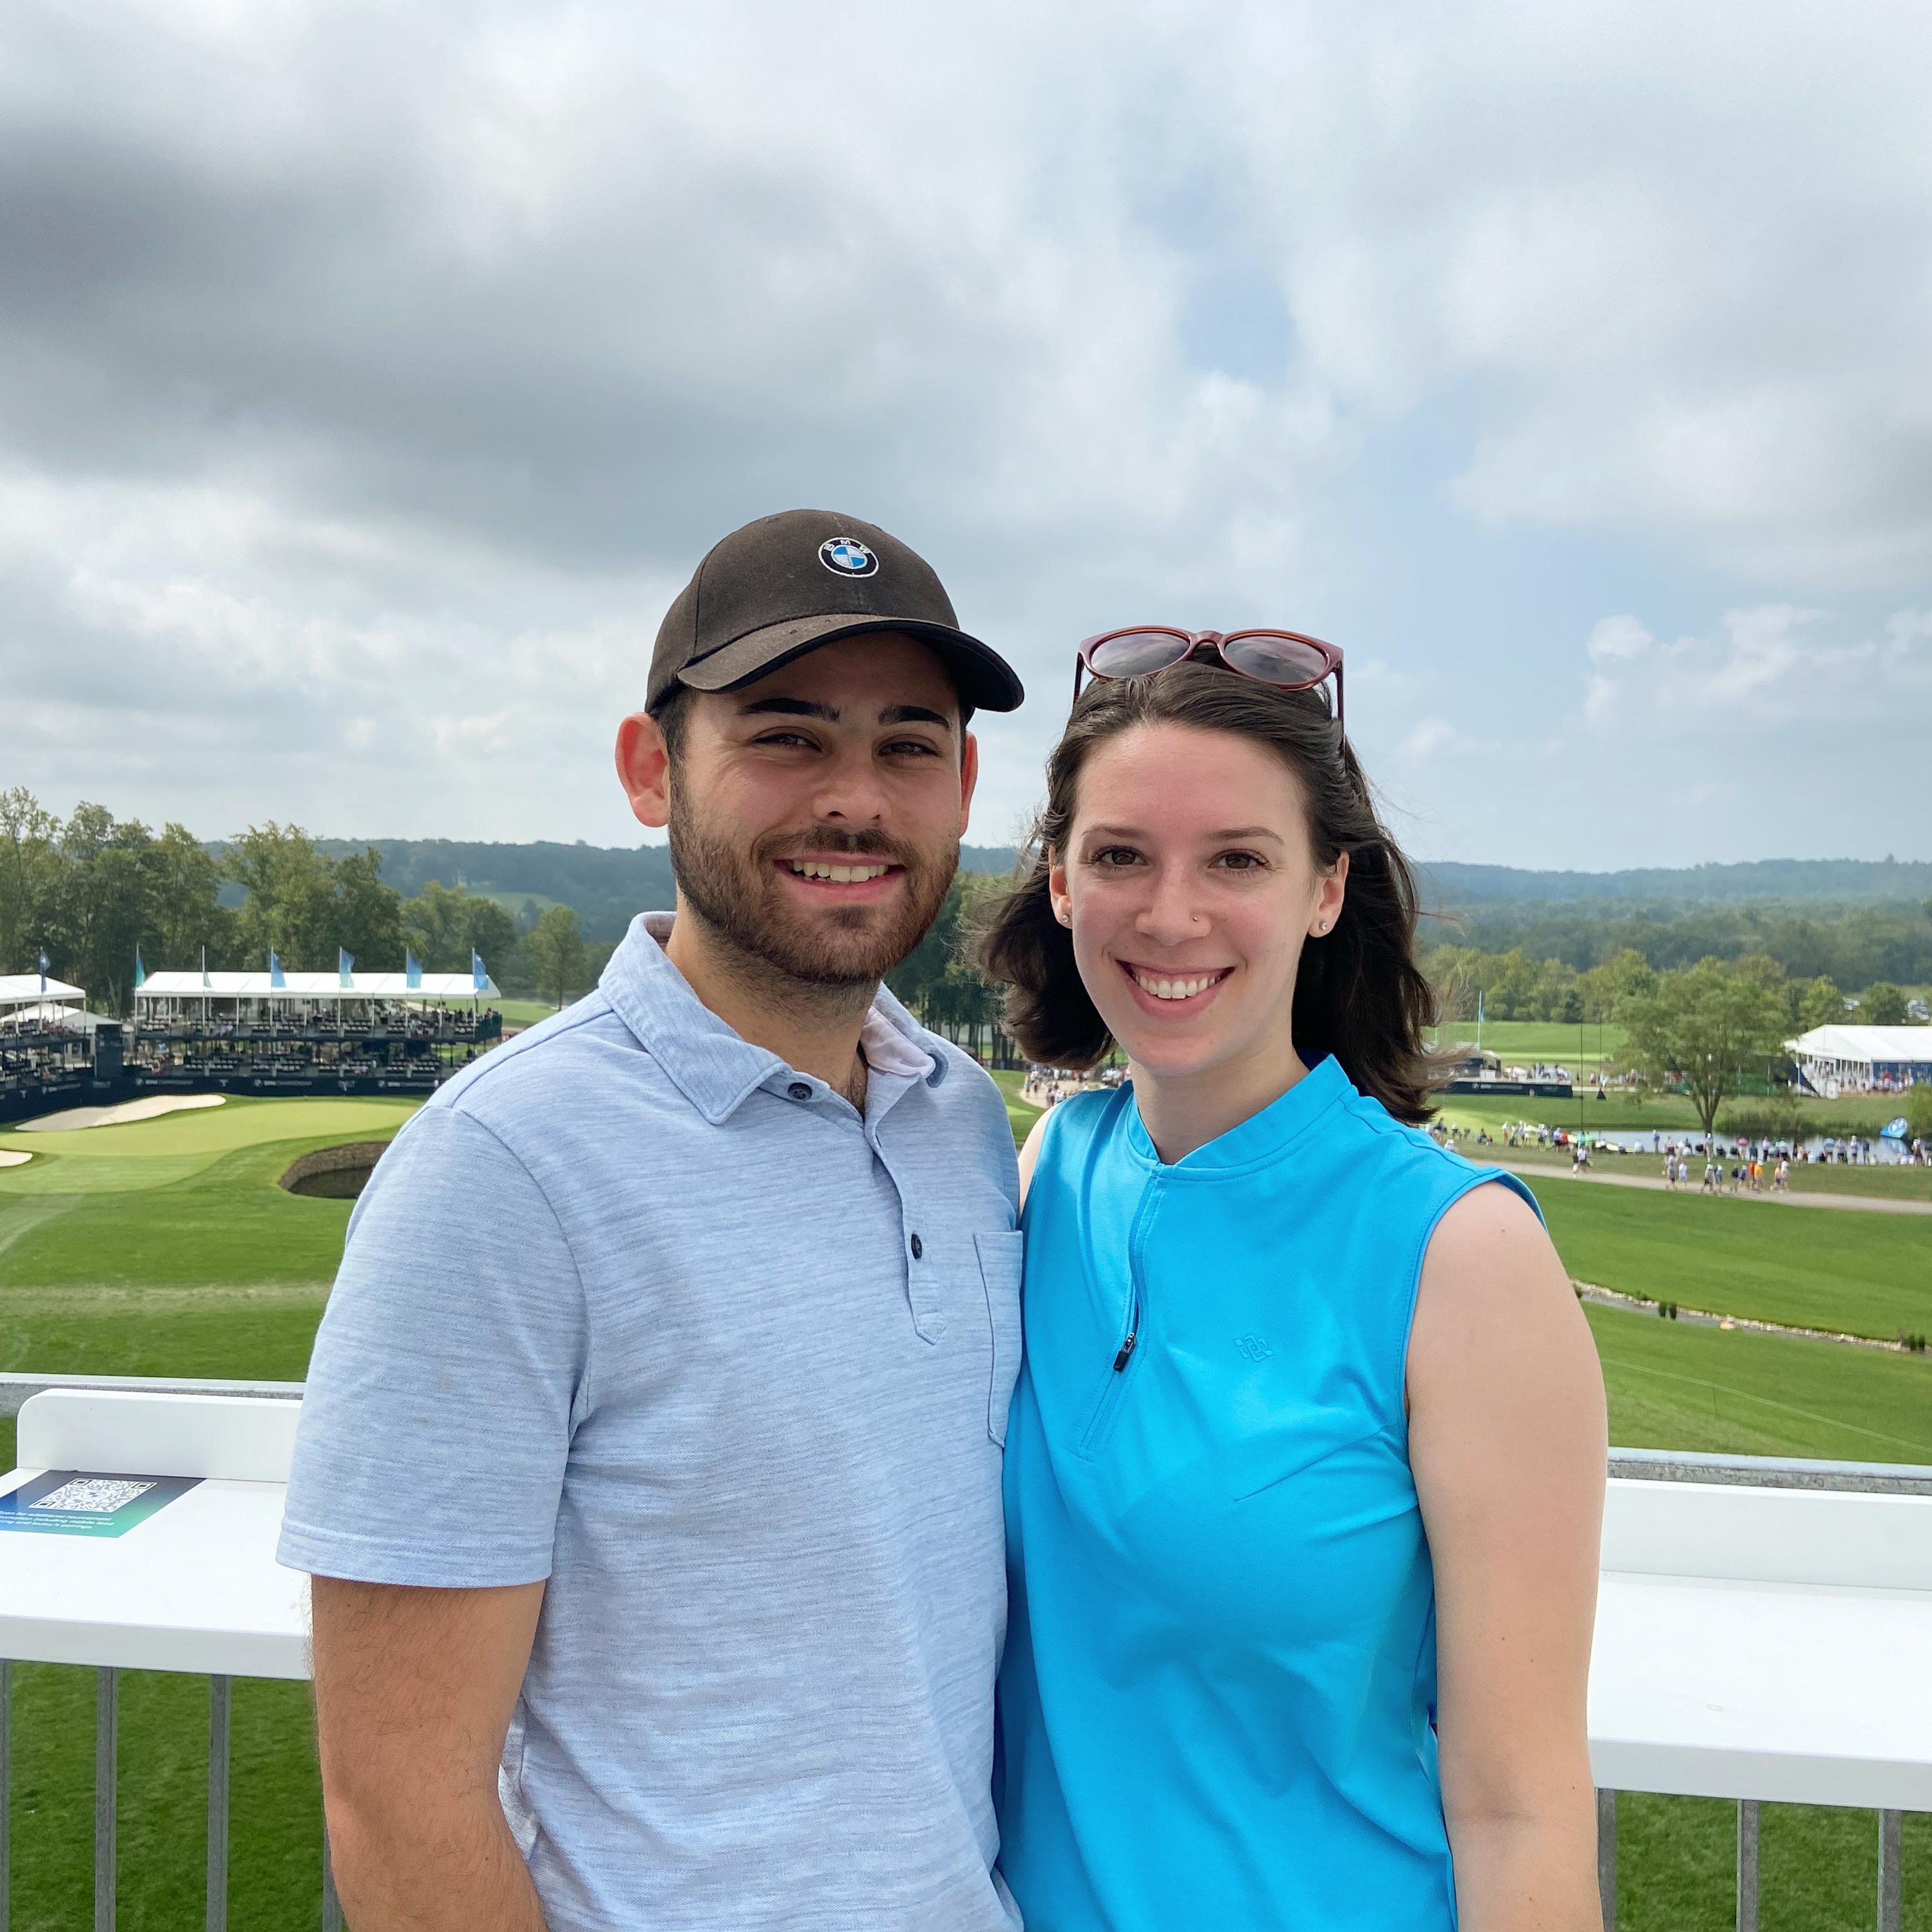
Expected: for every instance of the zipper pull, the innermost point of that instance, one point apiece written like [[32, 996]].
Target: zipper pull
[[1126, 1349]]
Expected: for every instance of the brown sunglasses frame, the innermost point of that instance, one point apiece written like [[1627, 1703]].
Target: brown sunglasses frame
[[1198, 641]]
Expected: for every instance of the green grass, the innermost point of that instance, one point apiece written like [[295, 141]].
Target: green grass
[[166, 1249], [1855, 1274], [1680, 1385], [524, 1012], [1522, 1042], [1020, 1114], [189, 1200]]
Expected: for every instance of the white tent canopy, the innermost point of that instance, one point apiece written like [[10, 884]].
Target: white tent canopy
[[320, 987], [22, 989], [1861, 1056]]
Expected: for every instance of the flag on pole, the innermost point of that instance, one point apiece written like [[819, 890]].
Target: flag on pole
[[43, 969], [412, 969], [1479, 1005], [345, 966], [276, 982], [205, 980], [140, 971], [479, 977]]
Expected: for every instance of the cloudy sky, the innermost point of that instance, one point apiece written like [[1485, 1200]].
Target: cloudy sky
[[372, 375]]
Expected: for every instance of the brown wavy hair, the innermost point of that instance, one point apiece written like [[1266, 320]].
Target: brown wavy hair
[[1358, 993]]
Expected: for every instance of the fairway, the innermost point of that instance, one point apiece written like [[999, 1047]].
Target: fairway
[[1854, 1273], [1523, 1042], [187, 1201]]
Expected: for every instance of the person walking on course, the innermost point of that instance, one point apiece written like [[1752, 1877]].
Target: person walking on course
[[1306, 1461], [649, 1471]]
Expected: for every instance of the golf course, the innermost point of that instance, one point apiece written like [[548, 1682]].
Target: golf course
[[166, 1246]]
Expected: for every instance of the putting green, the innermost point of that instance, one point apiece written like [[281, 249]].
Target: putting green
[[140, 1155]]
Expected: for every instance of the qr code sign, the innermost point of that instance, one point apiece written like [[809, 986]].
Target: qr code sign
[[92, 1495]]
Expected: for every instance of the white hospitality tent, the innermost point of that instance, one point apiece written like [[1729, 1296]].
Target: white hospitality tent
[[26, 996], [315, 988], [1863, 1058]]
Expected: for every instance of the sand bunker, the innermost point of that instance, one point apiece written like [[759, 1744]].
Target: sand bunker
[[151, 1108], [8, 1159]]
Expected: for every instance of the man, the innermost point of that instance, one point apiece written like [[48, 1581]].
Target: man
[[648, 1469]]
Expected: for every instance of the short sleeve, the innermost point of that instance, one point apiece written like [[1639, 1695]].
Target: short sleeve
[[446, 1377]]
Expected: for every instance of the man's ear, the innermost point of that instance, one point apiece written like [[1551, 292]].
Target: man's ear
[[644, 769], [969, 777]]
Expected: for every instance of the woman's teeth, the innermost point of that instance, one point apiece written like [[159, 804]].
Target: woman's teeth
[[839, 875], [1176, 989]]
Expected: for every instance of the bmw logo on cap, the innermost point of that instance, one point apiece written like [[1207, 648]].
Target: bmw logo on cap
[[848, 556]]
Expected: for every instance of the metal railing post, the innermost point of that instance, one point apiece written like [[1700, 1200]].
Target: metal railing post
[[1607, 1857], [1747, 1864], [218, 1804], [6, 1784], [1890, 1845], [107, 1714], [332, 1906]]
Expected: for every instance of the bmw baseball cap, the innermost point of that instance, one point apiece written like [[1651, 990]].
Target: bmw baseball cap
[[785, 585]]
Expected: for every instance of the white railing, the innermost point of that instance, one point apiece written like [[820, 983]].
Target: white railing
[[1762, 1629]]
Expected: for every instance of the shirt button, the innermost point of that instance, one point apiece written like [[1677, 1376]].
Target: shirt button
[[918, 1247], [798, 1091]]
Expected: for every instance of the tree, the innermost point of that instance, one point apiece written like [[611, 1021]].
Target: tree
[[30, 874], [1918, 1111], [1815, 1002], [1609, 987], [556, 952], [290, 907], [368, 915], [101, 907], [445, 926], [1707, 1025], [185, 914], [1882, 1004]]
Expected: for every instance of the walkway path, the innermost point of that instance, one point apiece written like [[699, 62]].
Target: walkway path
[[1865, 1203]]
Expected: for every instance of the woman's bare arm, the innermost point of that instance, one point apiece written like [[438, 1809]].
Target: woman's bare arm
[[1506, 1439]]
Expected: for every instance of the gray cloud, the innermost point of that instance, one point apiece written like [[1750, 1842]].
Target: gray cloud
[[370, 378]]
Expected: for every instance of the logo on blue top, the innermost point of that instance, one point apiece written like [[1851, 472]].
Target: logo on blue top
[[848, 556]]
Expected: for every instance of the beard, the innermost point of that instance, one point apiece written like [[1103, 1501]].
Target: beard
[[737, 894]]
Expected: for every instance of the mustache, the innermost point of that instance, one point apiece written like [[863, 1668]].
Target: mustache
[[860, 844]]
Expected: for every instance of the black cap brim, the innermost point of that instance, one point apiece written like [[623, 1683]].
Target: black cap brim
[[985, 680]]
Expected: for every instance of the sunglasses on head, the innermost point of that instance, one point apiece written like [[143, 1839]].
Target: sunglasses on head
[[1285, 659]]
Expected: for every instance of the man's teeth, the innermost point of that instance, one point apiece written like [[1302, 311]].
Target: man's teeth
[[839, 875], [1175, 989]]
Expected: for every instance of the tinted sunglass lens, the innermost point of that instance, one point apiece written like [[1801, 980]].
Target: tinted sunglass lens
[[1133, 653], [1275, 660]]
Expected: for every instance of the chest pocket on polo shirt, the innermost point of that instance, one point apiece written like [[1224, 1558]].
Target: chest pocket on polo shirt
[[1002, 1260]]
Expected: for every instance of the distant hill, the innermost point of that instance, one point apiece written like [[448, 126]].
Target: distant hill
[[1840, 881], [608, 884]]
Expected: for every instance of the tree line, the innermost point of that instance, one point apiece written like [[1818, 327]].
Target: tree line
[[1514, 985], [92, 890]]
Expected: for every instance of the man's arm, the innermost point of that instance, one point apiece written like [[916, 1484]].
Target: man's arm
[[1507, 1442], [413, 1692]]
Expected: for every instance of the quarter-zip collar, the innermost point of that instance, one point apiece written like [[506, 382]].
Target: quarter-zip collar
[[1260, 1139]]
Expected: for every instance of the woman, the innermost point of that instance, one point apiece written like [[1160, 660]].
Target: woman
[[1305, 1468]]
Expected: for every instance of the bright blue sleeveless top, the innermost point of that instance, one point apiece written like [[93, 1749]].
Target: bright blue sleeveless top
[[1217, 1703]]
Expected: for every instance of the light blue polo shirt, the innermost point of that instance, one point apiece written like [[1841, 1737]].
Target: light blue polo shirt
[[634, 1306]]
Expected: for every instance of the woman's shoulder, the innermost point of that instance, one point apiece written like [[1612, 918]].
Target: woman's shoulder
[[1066, 1130], [1402, 1153]]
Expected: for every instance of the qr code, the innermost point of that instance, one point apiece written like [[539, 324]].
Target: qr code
[[92, 1495]]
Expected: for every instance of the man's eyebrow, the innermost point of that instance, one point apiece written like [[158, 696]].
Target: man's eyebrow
[[789, 707], [913, 714]]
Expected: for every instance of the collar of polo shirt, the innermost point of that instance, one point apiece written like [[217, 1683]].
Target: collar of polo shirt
[[716, 1069]]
